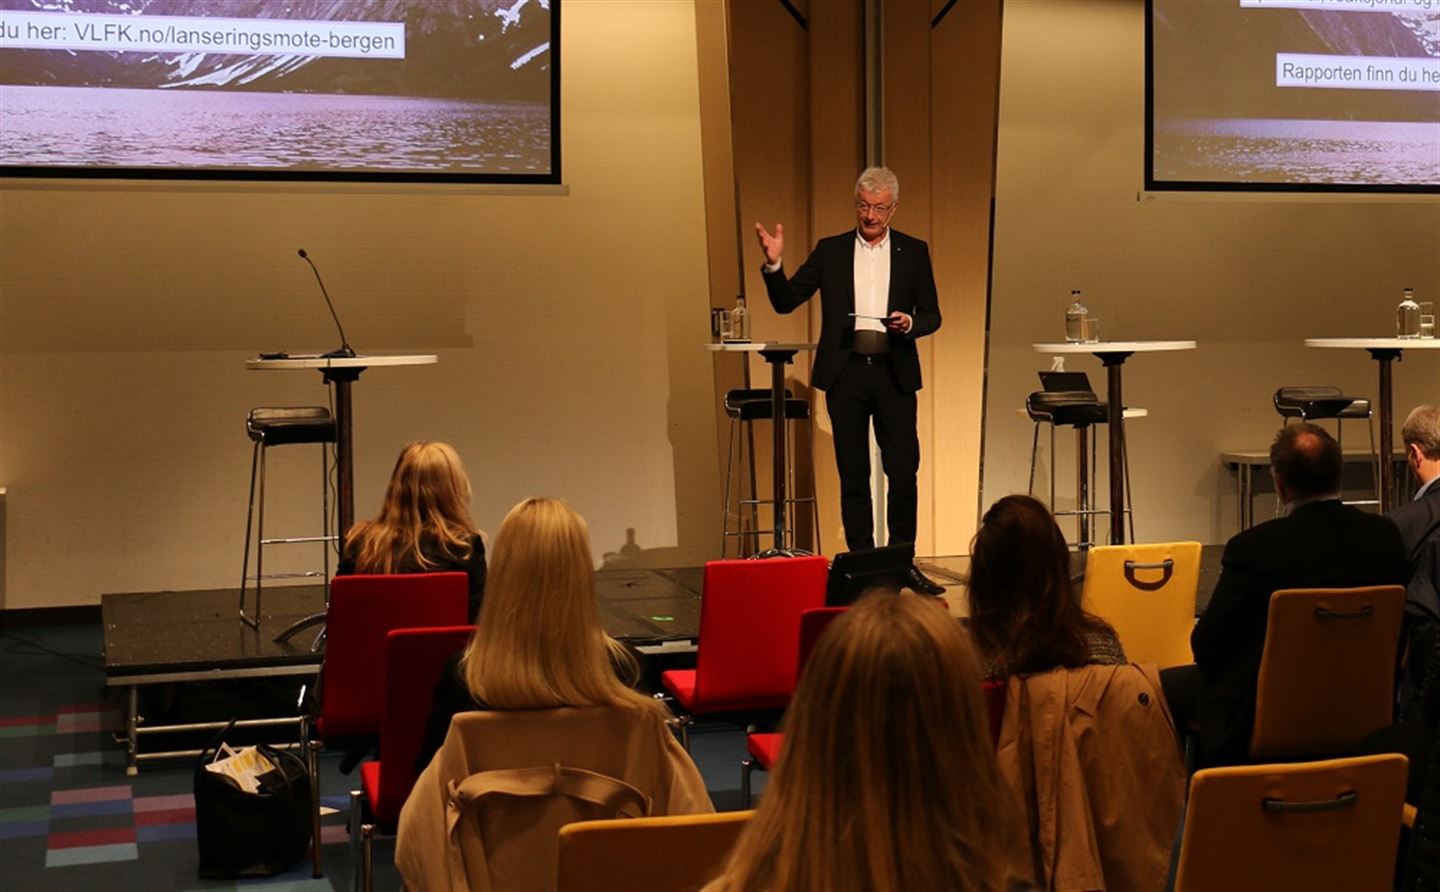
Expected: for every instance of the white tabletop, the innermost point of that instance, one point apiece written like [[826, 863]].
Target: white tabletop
[[338, 362], [1376, 343], [1114, 347], [754, 346]]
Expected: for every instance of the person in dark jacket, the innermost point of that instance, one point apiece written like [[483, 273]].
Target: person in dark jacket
[[1318, 543]]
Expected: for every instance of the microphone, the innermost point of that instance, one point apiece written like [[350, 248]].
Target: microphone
[[344, 350]]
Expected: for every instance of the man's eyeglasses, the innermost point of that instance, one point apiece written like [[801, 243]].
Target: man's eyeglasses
[[866, 208]]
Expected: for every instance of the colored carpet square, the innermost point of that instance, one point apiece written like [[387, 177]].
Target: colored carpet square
[[333, 833], [164, 803], [15, 721], [24, 829], [26, 775], [162, 832], [28, 730], [24, 813], [75, 760], [90, 809], [92, 855], [90, 794], [91, 838], [167, 816]]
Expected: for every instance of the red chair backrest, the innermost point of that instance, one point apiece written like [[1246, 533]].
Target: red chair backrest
[[994, 708], [414, 659], [750, 630], [363, 610], [813, 623]]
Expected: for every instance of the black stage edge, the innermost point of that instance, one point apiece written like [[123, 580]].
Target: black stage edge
[[81, 615]]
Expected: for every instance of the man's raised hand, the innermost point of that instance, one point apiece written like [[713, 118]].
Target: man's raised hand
[[772, 245]]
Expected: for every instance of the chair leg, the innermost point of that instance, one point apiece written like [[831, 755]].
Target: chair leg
[[357, 825], [367, 858], [325, 517], [312, 759], [1052, 467], [249, 526], [260, 544], [1034, 453], [1129, 506], [725, 502], [746, 766]]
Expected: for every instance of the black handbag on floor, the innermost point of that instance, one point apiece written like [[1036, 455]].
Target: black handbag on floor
[[243, 834]]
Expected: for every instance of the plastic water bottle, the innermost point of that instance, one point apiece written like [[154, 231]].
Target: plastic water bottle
[[1407, 316], [740, 321], [1076, 314]]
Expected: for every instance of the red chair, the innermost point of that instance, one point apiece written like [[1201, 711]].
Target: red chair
[[363, 611], [414, 659], [749, 635], [764, 748]]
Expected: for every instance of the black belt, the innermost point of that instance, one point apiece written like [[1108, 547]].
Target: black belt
[[868, 342]]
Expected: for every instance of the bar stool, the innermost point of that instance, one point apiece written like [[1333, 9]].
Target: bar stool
[[284, 426], [1080, 409], [1324, 403], [743, 406]]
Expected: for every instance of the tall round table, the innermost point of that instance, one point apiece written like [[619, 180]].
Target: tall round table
[[1112, 355], [342, 371], [1383, 351], [778, 355]]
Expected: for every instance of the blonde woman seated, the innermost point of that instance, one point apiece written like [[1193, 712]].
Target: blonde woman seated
[[538, 646], [887, 780], [424, 525], [538, 642], [1025, 612]]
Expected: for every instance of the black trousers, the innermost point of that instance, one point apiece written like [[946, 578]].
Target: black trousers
[[866, 392]]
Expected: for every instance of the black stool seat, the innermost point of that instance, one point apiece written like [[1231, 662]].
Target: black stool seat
[[282, 426], [734, 399], [795, 409], [1073, 408], [1308, 403]]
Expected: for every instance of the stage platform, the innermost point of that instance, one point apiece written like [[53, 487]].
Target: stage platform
[[160, 638]]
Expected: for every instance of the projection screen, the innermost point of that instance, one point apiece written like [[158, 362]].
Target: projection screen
[[1337, 95], [451, 90]]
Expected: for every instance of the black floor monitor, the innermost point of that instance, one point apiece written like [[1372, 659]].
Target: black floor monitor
[[855, 572]]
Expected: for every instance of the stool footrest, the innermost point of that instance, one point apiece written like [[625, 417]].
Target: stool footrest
[[312, 574], [296, 540]]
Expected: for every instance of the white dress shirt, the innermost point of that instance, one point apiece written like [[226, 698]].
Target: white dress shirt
[[872, 281]]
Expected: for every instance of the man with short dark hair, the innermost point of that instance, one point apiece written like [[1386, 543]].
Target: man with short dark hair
[[1319, 542], [1419, 523]]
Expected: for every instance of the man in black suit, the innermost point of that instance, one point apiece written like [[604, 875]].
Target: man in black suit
[[877, 295], [1419, 523], [1318, 543]]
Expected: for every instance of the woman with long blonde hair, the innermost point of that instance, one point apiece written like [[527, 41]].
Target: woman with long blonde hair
[[538, 642], [887, 780], [424, 525]]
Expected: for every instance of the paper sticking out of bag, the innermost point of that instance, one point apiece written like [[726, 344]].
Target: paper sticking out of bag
[[244, 766]]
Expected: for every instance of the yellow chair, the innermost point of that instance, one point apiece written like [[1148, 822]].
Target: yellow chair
[[1327, 674], [1147, 592], [678, 853], [1317, 826]]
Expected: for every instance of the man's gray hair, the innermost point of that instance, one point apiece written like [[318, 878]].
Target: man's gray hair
[[1422, 428], [878, 179]]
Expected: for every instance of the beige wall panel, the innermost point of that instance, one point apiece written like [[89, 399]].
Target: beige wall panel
[[966, 71], [908, 68], [568, 330], [1248, 278], [837, 155]]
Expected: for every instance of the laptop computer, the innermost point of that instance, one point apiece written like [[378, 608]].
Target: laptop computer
[[1061, 382]]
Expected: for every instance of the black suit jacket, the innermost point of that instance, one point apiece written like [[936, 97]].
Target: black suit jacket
[[1320, 545], [1419, 525], [831, 269]]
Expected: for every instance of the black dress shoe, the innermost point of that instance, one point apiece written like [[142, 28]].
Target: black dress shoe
[[920, 583]]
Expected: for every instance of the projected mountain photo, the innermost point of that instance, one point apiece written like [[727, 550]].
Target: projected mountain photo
[[1296, 93], [321, 87]]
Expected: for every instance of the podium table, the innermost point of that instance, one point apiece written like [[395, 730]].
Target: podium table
[[1383, 351], [778, 355], [1112, 355], [342, 371]]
